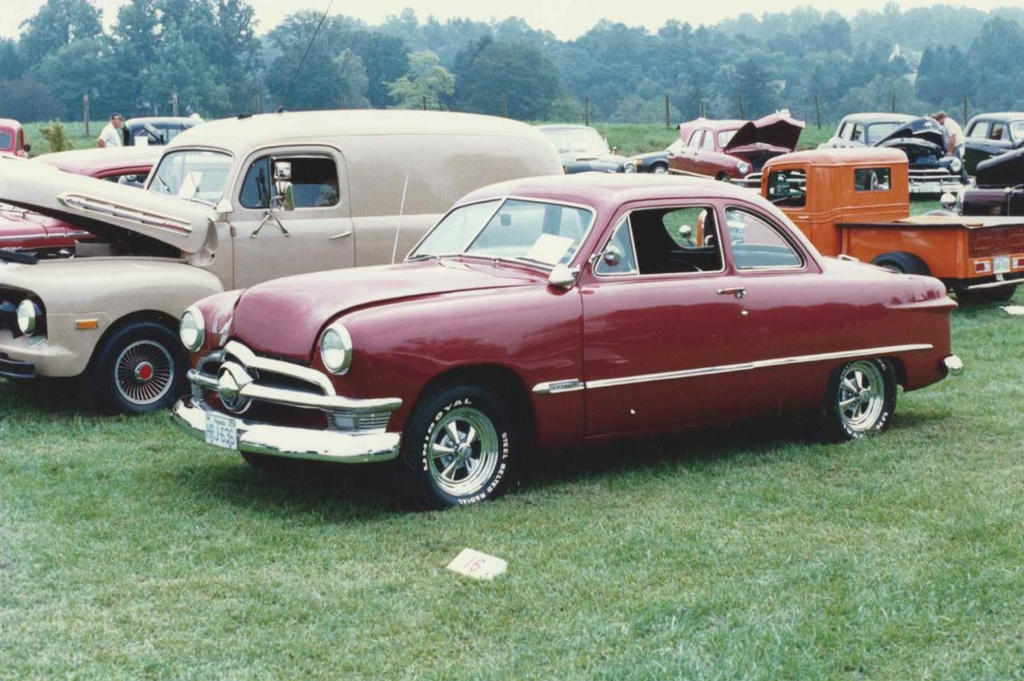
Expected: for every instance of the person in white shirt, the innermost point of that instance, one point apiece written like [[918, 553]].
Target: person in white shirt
[[110, 136], [955, 141]]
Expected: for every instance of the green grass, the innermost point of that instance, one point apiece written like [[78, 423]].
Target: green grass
[[130, 551]]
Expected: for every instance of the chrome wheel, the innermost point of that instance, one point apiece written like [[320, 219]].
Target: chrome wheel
[[861, 396], [143, 372], [660, 169], [463, 451]]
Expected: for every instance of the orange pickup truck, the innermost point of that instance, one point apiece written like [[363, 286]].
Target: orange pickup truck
[[856, 202]]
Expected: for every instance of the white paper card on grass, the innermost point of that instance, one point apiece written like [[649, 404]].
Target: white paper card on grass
[[477, 565], [1016, 310]]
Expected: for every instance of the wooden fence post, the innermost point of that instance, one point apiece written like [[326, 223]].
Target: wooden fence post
[[965, 109], [424, 102], [743, 114], [504, 105], [894, 100], [586, 110], [85, 111], [257, 104], [817, 112], [174, 104]]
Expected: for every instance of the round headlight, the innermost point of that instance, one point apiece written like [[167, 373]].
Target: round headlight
[[336, 348], [743, 167], [28, 316], [192, 329]]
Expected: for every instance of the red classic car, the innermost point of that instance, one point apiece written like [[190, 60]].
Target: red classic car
[[733, 150], [556, 311], [12, 138], [39, 235]]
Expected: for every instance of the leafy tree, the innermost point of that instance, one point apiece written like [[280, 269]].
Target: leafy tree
[[517, 71], [79, 67], [27, 100], [11, 65], [427, 81], [353, 79], [57, 24]]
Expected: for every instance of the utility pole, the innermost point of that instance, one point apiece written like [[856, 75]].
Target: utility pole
[[668, 124], [174, 104], [817, 111], [586, 110], [85, 111]]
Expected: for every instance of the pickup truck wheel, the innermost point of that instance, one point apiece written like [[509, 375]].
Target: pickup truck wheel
[[138, 369], [461, 446], [901, 262], [860, 400], [999, 294]]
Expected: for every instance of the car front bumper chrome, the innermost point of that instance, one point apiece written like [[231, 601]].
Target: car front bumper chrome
[[291, 442]]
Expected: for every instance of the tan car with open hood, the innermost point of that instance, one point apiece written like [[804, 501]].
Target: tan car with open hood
[[230, 204]]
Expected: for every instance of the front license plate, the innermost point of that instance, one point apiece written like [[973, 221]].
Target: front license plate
[[1001, 264], [221, 431]]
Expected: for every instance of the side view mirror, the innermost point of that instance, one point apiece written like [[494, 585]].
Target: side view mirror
[[612, 255], [561, 277], [284, 196]]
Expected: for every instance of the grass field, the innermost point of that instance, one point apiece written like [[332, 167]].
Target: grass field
[[129, 551]]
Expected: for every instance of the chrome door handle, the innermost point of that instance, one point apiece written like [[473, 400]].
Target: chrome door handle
[[737, 291], [342, 235]]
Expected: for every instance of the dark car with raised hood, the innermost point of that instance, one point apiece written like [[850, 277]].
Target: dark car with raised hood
[[932, 170]]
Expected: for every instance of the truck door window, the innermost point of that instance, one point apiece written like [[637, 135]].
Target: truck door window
[[871, 180], [314, 182], [676, 240], [758, 244], [788, 188]]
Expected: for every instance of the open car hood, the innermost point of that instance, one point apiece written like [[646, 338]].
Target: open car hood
[[106, 209], [1004, 170], [926, 129], [777, 130]]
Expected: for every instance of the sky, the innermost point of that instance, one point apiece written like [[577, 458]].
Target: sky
[[567, 19]]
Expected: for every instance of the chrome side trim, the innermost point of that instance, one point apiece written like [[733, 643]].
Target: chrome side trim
[[759, 364], [996, 284], [553, 387], [294, 443], [252, 360], [107, 209]]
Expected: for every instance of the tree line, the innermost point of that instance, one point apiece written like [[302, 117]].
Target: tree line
[[208, 54]]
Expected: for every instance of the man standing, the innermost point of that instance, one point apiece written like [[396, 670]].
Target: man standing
[[110, 136], [955, 142]]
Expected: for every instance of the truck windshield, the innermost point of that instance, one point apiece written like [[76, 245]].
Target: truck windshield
[[532, 231], [192, 174]]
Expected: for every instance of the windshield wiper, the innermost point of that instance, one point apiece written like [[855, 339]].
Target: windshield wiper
[[16, 256]]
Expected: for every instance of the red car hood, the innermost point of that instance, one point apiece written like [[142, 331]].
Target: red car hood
[[284, 317], [776, 130]]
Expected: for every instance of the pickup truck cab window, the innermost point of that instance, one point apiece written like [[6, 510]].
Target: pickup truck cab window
[[788, 188], [314, 182], [871, 180], [192, 174], [758, 244]]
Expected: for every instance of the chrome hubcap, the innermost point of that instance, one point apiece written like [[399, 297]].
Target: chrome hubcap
[[861, 397], [143, 372], [463, 451]]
